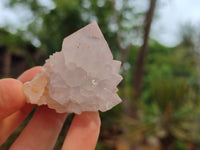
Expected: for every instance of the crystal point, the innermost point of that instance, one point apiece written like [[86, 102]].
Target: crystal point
[[82, 77]]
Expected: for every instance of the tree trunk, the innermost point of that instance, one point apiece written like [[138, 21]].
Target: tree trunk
[[138, 75], [7, 64], [167, 143]]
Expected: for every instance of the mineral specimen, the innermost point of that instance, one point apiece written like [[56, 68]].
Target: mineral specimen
[[82, 77]]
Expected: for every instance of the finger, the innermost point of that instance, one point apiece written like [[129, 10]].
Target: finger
[[29, 74], [83, 132], [9, 124], [12, 97], [41, 132]]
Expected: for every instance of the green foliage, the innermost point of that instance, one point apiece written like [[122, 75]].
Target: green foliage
[[179, 145], [173, 112], [61, 21], [170, 99], [13, 42]]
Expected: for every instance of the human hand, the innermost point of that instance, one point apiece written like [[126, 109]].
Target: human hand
[[43, 129]]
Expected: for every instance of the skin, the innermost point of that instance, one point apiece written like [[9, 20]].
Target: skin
[[44, 127]]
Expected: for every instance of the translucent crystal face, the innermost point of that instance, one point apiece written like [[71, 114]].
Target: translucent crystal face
[[82, 77]]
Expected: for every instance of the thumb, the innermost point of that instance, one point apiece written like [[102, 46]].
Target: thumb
[[12, 97]]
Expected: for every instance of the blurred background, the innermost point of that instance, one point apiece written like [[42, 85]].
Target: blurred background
[[158, 43]]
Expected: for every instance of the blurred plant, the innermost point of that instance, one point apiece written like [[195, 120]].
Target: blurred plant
[[190, 40], [172, 116], [165, 63]]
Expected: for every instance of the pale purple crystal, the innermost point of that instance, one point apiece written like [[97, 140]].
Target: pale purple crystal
[[82, 77]]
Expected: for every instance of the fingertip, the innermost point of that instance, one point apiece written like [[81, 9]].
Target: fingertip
[[29, 74], [12, 97], [83, 132], [89, 117]]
